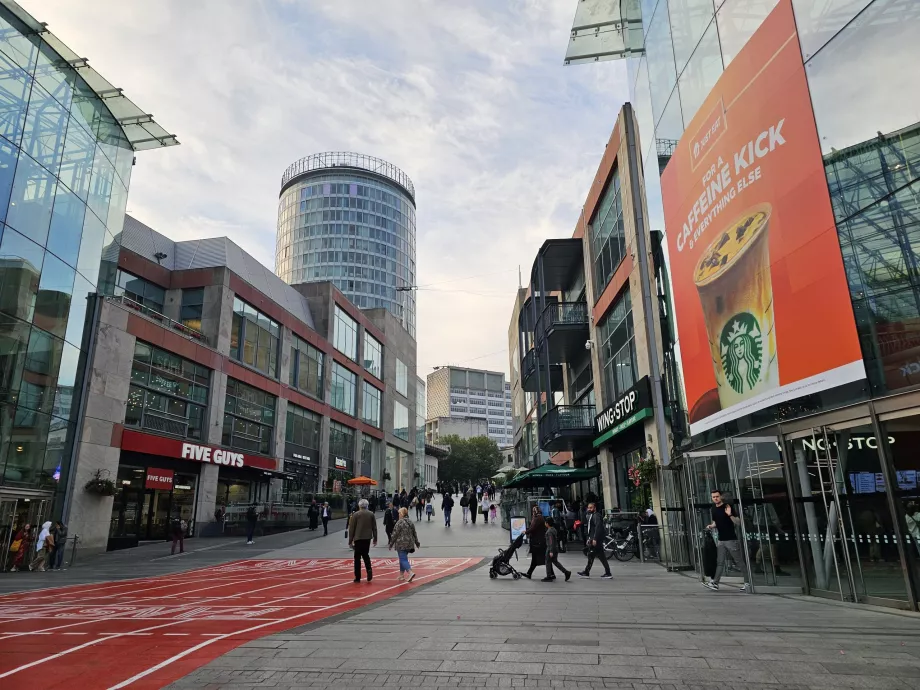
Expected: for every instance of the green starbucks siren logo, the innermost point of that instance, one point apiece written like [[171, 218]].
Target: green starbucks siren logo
[[741, 347]]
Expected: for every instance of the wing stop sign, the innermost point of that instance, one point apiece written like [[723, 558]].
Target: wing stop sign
[[632, 406]]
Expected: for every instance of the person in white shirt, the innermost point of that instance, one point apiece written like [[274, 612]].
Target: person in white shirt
[[326, 515]]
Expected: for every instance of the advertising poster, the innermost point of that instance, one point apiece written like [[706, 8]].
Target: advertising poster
[[518, 527], [762, 307]]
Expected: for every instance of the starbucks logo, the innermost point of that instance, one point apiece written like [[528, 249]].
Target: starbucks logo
[[741, 347]]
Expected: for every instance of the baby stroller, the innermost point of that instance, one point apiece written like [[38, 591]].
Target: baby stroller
[[501, 564]]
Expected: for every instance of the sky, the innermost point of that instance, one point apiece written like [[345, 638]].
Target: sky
[[470, 99]]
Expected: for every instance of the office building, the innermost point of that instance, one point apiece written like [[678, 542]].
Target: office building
[[804, 414], [68, 141], [463, 427], [350, 219], [456, 392], [213, 384]]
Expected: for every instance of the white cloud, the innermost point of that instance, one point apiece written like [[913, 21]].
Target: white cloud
[[469, 98]]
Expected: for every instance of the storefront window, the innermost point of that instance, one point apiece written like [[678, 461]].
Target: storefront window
[[306, 373], [168, 393], [249, 418], [903, 439], [341, 447], [254, 338]]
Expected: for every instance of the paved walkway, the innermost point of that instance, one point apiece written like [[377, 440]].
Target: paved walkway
[[645, 629]]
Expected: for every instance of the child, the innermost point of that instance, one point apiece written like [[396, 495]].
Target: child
[[552, 553], [429, 510], [493, 511]]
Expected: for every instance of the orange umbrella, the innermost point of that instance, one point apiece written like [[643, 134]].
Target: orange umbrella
[[362, 481]]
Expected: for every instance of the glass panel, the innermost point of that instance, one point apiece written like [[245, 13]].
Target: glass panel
[[46, 123], [671, 125], [702, 72], [642, 103], [17, 45], [82, 289], [864, 65], [91, 247], [20, 268], [8, 156], [14, 341], [66, 225], [706, 474], [31, 200], [660, 54], [903, 436], [767, 511], [55, 76], [738, 20], [14, 97], [52, 304], [689, 19], [817, 22], [77, 159], [100, 186]]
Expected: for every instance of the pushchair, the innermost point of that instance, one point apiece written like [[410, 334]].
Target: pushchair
[[501, 564]]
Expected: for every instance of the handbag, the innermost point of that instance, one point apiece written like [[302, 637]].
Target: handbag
[[16, 545]]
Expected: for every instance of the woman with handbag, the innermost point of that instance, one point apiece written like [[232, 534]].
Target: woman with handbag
[[405, 541], [536, 533]]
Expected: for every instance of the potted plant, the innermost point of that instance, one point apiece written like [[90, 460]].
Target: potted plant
[[100, 484]]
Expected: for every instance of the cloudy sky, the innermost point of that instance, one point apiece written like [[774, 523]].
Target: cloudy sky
[[469, 98]]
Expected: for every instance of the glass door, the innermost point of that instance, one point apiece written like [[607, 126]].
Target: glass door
[[675, 546], [706, 471], [8, 527]]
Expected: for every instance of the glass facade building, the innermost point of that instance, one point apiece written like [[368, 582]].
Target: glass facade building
[[804, 467], [350, 219], [66, 154]]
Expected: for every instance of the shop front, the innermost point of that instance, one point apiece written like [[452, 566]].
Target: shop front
[[159, 480]]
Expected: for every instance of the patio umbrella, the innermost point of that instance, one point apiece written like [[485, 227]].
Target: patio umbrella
[[362, 481], [552, 475]]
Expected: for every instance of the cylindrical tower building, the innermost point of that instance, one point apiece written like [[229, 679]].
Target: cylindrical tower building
[[350, 219]]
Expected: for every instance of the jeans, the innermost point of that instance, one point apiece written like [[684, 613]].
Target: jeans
[[598, 553], [404, 566], [250, 531], [729, 549], [57, 557], [180, 539], [447, 517], [418, 512], [466, 514], [554, 561], [363, 551]]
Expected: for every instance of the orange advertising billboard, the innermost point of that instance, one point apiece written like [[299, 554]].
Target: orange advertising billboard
[[761, 301]]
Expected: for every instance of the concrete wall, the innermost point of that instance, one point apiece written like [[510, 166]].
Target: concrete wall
[[464, 427]]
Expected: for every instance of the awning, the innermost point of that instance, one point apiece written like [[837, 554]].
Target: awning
[[552, 475]]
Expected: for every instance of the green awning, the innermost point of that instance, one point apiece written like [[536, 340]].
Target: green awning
[[552, 475]]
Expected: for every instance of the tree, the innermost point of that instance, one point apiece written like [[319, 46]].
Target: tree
[[469, 459]]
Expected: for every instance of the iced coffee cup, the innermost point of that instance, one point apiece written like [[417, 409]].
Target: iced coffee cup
[[733, 281]]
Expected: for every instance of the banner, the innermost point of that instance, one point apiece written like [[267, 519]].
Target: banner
[[761, 301]]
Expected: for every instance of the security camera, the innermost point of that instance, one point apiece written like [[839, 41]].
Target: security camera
[[588, 344]]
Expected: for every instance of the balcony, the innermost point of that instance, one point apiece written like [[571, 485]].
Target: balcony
[[176, 326], [564, 327], [567, 427], [533, 378]]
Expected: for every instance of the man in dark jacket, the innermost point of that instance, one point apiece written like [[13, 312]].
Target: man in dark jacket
[[252, 516], [596, 535], [390, 518], [59, 532], [362, 529], [447, 505], [313, 514]]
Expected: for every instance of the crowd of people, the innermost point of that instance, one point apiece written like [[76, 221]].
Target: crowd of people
[[38, 549]]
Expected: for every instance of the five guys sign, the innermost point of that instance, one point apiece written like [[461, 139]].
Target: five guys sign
[[184, 450]]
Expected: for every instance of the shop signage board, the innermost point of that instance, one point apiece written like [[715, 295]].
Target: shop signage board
[[341, 463], [761, 300], [186, 450], [631, 407], [159, 479]]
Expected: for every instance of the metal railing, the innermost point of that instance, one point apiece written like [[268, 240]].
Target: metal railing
[[178, 326], [529, 364], [347, 159], [563, 314], [559, 420]]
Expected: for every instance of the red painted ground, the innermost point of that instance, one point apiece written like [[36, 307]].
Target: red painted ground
[[148, 632]]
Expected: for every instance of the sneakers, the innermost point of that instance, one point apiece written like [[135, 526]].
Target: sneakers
[[745, 588], [357, 579], [370, 578], [714, 586], [584, 573], [400, 579], [547, 579], [411, 577], [568, 576], [606, 576], [249, 542]]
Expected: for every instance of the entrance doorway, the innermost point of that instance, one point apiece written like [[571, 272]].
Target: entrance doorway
[[15, 513], [851, 547]]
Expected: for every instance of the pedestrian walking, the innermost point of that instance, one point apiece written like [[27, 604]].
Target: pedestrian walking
[[486, 505], [419, 508], [313, 514], [252, 517], [390, 518], [362, 530], [405, 540], [724, 520], [536, 534], [429, 509], [178, 528], [493, 513], [43, 547], [552, 553], [59, 532], [447, 505], [21, 547], [465, 504], [474, 506], [326, 515], [594, 541]]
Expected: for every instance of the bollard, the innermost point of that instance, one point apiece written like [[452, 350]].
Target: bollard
[[73, 551]]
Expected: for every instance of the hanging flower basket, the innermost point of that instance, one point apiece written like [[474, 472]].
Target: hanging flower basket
[[100, 485], [643, 472], [386, 476]]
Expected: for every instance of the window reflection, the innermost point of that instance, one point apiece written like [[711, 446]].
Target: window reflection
[[20, 268], [52, 304], [31, 199], [642, 103], [865, 64], [818, 22], [46, 122], [660, 54], [738, 20], [689, 19], [702, 72], [14, 95]]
